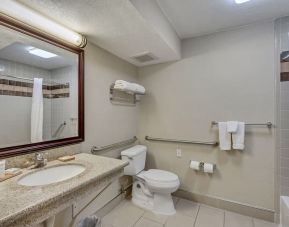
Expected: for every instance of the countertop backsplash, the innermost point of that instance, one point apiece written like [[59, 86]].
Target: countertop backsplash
[[26, 160]]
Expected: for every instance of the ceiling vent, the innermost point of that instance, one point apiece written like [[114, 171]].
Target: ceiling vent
[[144, 57]]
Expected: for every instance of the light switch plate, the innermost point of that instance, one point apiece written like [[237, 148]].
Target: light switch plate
[[179, 152]]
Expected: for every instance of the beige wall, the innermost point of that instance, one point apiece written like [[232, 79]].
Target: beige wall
[[224, 76], [106, 123]]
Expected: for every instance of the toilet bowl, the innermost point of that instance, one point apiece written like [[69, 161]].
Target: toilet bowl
[[152, 188]]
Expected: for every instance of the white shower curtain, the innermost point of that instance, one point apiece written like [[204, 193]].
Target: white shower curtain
[[37, 112]]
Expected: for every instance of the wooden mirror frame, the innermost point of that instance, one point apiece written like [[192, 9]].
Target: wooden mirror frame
[[29, 148]]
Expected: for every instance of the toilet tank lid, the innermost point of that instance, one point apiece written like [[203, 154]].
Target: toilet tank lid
[[134, 151]]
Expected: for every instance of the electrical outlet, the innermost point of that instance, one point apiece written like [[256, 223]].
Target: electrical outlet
[[179, 152]]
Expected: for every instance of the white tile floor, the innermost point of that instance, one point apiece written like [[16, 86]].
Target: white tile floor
[[189, 214]]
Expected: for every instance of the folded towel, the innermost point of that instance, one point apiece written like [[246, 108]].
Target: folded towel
[[224, 137], [239, 137], [232, 126], [139, 88], [129, 87], [91, 221], [120, 81]]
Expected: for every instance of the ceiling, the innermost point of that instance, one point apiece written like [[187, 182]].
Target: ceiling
[[114, 25], [14, 47], [191, 18], [119, 27], [17, 52]]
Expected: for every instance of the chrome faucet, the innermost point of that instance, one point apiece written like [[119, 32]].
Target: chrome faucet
[[40, 160]]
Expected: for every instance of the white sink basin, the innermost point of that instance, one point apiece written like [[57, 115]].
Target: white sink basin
[[51, 175]]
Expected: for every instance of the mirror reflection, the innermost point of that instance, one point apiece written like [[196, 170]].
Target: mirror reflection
[[38, 90]]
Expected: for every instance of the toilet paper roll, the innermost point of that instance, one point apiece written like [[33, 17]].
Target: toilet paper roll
[[208, 168], [195, 165]]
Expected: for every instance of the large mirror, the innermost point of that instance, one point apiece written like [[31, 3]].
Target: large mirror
[[41, 92]]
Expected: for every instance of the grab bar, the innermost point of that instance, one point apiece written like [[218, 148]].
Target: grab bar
[[95, 149], [213, 143], [59, 129]]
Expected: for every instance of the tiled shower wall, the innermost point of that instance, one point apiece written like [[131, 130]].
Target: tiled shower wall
[[284, 137], [15, 110], [65, 109], [283, 109], [60, 104]]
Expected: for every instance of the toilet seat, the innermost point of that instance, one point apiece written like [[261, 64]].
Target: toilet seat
[[160, 175], [160, 178]]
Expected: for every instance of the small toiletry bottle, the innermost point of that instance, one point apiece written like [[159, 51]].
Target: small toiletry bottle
[[2, 168]]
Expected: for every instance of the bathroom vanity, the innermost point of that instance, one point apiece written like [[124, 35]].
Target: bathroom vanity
[[28, 205]]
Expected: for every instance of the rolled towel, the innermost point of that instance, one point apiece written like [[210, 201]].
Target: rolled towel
[[129, 87], [91, 221], [121, 82], [139, 88], [124, 86]]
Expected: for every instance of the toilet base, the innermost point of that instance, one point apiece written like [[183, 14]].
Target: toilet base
[[156, 202], [163, 204], [141, 196]]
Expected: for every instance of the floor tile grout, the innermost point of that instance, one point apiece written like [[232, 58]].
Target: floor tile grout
[[224, 219], [164, 221], [139, 218], [197, 214]]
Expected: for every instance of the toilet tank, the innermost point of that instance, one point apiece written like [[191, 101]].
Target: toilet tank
[[136, 156]]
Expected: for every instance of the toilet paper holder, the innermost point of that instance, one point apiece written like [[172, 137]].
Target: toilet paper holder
[[202, 165]]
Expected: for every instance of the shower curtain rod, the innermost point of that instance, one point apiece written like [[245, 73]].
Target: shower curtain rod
[[32, 79]]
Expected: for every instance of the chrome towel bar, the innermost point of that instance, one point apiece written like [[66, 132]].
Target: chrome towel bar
[[214, 143], [268, 124], [95, 149]]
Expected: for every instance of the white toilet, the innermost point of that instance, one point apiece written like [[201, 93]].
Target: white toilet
[[151, 189]]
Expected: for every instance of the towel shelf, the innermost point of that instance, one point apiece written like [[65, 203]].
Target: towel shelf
[[95, 149], [213, 143], [130, 100], [268, 124], [130, 93]]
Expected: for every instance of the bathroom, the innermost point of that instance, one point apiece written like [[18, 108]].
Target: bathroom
[[155, 113]]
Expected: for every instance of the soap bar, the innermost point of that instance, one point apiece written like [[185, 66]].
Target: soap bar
[[66, 158], [12, 171], [8, 176]]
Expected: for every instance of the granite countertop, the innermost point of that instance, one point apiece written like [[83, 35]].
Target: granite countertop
[[18, 201]]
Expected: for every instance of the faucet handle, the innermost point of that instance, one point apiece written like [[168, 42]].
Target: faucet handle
[[39, 156]]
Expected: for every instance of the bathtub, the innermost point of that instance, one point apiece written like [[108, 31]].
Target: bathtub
[[284, 211]]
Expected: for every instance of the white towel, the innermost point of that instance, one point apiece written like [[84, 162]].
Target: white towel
[[224, 137], [37, 112], [232, 126], [123, 85], [239, 137], [129, 87]]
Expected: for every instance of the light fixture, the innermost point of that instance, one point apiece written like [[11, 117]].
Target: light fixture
[[30, 17], [41, 53], [241, 1]]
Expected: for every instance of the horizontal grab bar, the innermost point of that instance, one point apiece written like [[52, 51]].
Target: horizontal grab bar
[[214, 143], [95, 149]]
